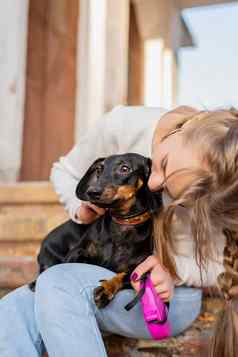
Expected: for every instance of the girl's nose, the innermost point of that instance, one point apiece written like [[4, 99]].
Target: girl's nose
[[155, 182]]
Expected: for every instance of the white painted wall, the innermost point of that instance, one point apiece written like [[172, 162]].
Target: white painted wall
[[13, 45]]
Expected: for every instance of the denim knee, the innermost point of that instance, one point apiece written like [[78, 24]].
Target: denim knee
[[58, 276], [64, 282], [185, 307], [53, 286], [72, 276]]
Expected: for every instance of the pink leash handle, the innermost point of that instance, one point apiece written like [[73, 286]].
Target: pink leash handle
[[155, 311]]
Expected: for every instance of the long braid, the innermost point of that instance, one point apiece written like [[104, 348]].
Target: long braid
[[225, 340]]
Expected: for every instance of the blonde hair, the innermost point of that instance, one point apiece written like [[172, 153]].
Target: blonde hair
[[213, 200]]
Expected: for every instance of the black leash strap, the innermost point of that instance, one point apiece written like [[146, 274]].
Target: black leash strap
[[133, 302], [137, 298]]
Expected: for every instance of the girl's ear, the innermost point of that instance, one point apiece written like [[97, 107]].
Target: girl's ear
[[171, 121], [84, 183]]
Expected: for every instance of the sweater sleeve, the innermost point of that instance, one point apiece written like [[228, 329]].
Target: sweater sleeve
[[66, 173], [188, 269], [190, 275]]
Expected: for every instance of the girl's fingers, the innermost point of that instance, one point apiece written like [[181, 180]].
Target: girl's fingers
[[87, 212], [158, 275], [160, 289], [165, 296], [234, 291], [100, 211], [142, 268]]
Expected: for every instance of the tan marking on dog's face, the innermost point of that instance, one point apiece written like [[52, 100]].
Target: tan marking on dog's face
[[125, 192], [109, 193], [126, 206], [140, 183]]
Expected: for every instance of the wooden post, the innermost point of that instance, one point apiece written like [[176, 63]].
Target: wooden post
[[50, 85], [136, 62]]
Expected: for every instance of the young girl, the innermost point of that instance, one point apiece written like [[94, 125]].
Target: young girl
[[194, 159]]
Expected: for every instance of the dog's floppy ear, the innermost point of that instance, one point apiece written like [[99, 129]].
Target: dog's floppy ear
[[155, 202], [85, 180], [147, 168], [144, 171]]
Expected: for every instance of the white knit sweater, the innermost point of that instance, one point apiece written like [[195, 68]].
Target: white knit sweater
[[130, 129]]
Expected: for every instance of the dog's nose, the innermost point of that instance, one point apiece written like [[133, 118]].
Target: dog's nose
[[94, 193]]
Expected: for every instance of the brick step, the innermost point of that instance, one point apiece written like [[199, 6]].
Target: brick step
[[16, 271], [22, 223], [27, 193], [28, 211]]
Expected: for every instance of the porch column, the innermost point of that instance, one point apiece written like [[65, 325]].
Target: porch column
[[13, 43], [159, 25], [102, 59]]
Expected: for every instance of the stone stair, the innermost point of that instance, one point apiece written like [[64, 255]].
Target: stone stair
[[28, 211]]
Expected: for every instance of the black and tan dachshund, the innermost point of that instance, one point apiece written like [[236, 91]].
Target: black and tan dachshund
[[119, 240]]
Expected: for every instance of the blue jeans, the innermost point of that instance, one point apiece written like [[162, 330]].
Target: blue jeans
[[61, 316]]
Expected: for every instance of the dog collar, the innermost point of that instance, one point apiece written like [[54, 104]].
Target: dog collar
[[133, 221]]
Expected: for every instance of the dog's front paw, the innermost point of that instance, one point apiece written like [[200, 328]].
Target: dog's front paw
[[105, 293], [102, 296]]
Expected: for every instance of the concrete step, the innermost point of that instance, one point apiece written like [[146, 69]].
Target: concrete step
[[28, 211]]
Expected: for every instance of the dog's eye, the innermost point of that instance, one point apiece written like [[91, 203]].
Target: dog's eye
[[99, 170], [124, 169]]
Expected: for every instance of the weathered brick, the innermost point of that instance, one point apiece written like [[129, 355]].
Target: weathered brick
[[16, 271], [28, 212], [19, 248], [29, 222], [27, 193]]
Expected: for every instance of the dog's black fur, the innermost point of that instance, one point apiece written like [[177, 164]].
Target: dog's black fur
[[119, 184]]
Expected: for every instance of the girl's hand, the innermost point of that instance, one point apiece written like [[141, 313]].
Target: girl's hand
[[161, 279], [88, 212]]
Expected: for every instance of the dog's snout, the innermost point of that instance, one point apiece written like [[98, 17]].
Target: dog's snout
[[94, 193]]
